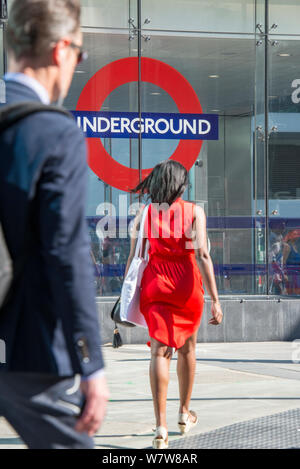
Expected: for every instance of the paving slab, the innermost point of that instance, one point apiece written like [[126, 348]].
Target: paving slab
[[279, 431], [235, 383]]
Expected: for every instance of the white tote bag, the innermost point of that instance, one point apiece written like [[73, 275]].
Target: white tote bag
[[130, 293]]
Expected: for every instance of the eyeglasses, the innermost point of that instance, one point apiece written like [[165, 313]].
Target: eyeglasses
[[82, 55]]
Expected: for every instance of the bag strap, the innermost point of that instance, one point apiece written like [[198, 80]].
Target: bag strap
[[13, 113], [140, 238]]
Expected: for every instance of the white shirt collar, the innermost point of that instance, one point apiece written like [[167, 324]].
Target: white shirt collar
[[31, 83]]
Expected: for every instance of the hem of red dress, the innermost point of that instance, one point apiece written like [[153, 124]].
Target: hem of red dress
[[172, 345]]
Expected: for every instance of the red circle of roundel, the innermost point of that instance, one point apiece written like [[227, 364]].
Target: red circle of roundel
[[118, 73]]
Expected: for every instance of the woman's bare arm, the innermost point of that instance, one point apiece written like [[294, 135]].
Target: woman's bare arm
[[205, 263]]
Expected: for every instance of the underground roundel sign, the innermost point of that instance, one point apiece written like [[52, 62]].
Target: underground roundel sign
[[190, 126]]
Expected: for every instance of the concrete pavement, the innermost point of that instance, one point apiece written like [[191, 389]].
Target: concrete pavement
[[235, 382]]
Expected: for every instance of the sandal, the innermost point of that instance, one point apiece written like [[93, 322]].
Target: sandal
[[185, 423], [160, 438]]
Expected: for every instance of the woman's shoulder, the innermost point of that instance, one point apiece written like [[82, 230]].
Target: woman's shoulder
[[187, 203], [192, 205]]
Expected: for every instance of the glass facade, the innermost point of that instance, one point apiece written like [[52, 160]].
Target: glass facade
[[234, 61]]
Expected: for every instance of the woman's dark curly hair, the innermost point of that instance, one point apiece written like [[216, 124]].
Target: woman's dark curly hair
[[166, 182]]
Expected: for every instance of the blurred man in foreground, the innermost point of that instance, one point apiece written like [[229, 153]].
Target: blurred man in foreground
[[52, 387]]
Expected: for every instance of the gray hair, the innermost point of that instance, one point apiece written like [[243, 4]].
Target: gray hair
[[35, 25]]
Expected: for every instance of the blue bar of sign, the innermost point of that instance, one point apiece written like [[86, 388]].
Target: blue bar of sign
[[118, 270], [223, 222], [151, 125]]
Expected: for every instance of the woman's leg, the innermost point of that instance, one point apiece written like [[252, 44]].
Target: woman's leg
[[186, 365], [161, 356]]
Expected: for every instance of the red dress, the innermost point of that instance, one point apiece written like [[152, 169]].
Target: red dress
[[171, 290]]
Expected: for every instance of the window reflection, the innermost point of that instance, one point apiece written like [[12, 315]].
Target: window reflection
[[276, 244], [109, 256], [291, 262]]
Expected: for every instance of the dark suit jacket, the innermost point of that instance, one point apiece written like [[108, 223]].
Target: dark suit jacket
[[51, 324]]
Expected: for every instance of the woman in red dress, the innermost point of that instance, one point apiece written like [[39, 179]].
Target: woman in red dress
[[171, 290]]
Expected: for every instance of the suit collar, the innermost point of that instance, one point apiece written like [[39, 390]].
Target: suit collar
[[31, 83], [17, 92]]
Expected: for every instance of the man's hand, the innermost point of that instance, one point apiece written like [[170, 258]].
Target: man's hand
[[96, 394], [217, 314]]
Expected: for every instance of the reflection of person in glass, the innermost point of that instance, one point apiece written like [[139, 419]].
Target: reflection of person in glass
[[108, 259], [171, 289], [107, 250], [277, 228], [291, 262]]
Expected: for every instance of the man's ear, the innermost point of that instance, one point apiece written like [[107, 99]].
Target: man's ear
[[59, 51]]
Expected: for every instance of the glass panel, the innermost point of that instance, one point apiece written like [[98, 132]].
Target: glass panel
[[227, 174], [222, 173], [284, 16], [108, 14], [284, 168], [199, 15], [107, 206], [103, 13], [260, 15], [259, 189]]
